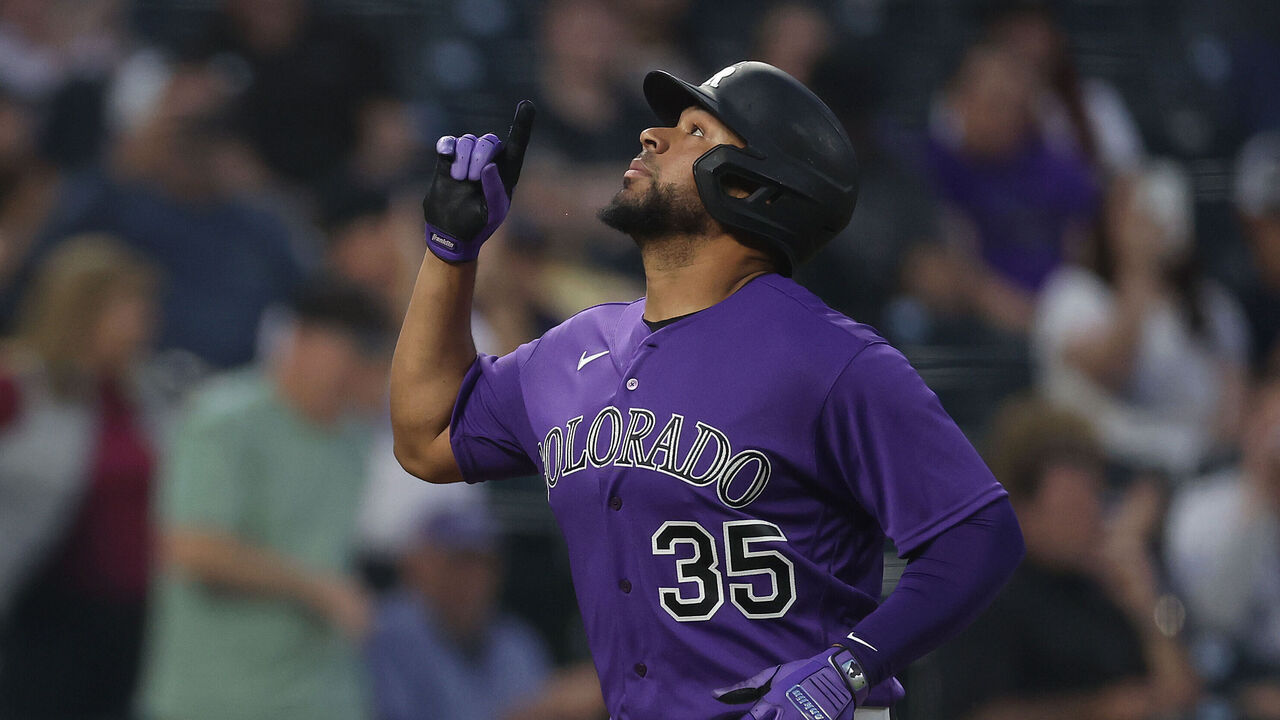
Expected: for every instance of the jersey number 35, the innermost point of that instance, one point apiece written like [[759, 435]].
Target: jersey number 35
[[742, 539]]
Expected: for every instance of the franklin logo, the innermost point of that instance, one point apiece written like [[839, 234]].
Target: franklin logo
[[806, 704], [442, 240]]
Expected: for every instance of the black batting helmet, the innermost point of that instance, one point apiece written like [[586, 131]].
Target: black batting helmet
[[798, 160]]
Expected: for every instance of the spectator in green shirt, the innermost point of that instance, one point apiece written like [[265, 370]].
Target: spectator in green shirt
[[257, 615]]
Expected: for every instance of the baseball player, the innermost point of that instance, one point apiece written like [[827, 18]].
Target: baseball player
[[726, 455]]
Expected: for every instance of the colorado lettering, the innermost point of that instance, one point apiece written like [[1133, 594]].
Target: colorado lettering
[[612, 440]]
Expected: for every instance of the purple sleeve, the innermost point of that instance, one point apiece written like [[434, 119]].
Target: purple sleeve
[[489, 430], [943, 589], [907, 464]]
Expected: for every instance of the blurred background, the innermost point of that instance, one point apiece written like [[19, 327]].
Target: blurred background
[[210, 224]]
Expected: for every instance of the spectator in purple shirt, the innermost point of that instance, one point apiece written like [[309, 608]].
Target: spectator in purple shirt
[[1015, 202]]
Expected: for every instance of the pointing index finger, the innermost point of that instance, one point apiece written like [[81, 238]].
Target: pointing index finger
[[511, 159]]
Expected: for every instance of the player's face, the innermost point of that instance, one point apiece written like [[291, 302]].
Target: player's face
[[659, 197], [668, 153]]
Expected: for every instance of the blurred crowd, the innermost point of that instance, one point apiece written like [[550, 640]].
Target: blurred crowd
[[209, 228]]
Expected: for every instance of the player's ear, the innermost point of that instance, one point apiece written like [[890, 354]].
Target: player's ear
[[738, 187]]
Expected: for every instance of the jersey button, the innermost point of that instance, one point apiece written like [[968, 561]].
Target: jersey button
[[615, 503], [624, 585], [641, 670], [632, 384]]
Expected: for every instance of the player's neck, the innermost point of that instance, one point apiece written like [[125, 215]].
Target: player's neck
[[712, 270]]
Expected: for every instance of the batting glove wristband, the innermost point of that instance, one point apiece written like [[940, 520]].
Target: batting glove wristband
[[827, 686], [470, 192]]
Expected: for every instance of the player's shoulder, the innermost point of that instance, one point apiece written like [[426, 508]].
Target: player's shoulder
[[795, 312], [604, 315], [597, 325]]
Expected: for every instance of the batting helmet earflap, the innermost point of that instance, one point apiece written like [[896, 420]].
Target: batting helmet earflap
[[798, 161]]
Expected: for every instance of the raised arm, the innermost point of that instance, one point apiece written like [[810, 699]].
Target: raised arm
[[432, 356], [468, 199]]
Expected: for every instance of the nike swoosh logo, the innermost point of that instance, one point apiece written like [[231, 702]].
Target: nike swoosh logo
[[582, 361], [860, 641]]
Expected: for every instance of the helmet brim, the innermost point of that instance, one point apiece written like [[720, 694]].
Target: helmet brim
[[668, 96]]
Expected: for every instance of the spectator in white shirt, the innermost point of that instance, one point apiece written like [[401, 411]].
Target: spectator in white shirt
[[1223, 552], [1138, 340]]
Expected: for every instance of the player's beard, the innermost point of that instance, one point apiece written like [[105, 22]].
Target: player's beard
[[662, 218]]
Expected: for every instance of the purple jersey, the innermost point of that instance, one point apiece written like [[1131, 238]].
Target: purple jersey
[[724, 484]]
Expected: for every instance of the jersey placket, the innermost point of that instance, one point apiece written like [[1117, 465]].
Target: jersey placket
[[633, 612]]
